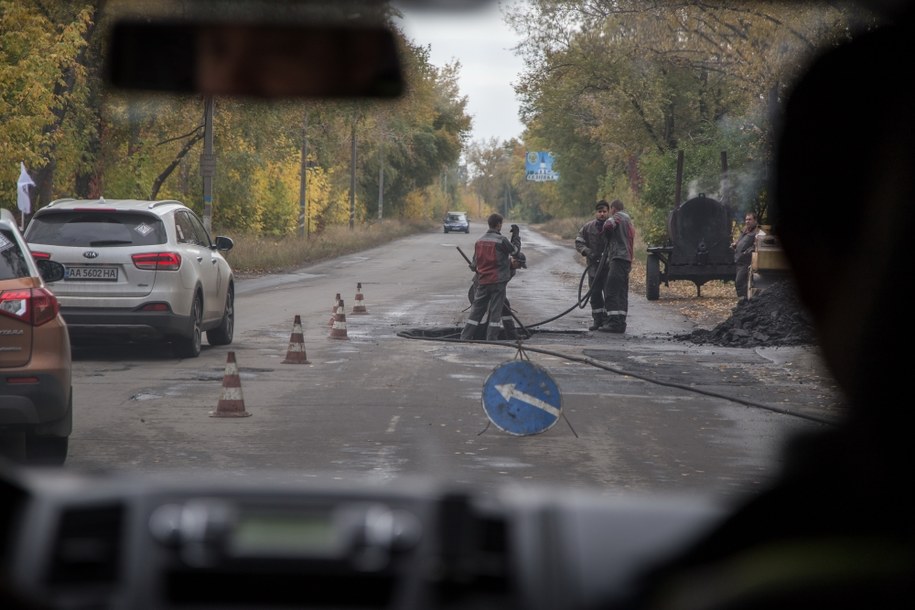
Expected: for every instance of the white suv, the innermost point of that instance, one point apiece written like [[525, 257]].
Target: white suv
[[142, 269]]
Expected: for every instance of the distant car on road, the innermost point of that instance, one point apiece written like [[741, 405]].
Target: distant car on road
[[456, 221], [141, 269], [36, 398]]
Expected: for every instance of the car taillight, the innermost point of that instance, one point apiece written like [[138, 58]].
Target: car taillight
[[35, 306], [156, 307], [41, 255], [157, 261]]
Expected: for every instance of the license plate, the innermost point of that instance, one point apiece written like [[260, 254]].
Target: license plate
[[95, 273]]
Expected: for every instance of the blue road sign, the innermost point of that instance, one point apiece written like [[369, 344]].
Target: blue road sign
[[521, 398], [538, 167]]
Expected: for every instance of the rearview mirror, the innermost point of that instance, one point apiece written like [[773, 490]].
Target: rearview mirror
[[255, 59]]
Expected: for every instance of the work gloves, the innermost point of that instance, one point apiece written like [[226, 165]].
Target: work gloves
[[516, 238]]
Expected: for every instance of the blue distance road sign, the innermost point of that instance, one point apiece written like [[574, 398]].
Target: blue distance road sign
[[521, 398]]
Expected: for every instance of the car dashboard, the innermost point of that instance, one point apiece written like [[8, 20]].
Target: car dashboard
[[74, 541]]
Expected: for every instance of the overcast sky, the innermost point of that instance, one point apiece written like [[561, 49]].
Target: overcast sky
[[482, 42]]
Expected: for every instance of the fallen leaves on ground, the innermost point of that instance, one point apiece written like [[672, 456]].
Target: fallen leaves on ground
[[711, 306]]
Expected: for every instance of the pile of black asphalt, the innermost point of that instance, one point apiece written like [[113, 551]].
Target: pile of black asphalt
[[774, 317]]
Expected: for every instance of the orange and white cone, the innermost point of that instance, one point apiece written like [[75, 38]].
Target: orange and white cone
[[359, 307], [338, 330], [296, 352], [231, 402], [333, 310]]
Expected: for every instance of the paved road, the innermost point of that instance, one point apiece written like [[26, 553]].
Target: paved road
[[639, 412]]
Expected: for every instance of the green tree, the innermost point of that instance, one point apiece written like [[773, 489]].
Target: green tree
[[611, 85], [421, 141], [79, 139], [42, 82]]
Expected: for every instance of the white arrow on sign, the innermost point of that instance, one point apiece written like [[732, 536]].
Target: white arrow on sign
[[508, 392]]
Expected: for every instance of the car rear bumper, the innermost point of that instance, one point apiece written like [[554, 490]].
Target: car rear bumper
[[92, 322], [35, 403]]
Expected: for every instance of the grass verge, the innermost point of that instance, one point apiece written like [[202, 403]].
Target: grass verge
[[258, 255]]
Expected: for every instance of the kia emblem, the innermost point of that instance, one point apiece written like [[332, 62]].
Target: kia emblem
[[90, 254]]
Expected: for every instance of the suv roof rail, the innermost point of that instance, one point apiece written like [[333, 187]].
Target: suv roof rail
[[62, 200], [164, 202]]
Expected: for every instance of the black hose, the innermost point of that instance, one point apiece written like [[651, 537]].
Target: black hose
[[582, 300], [606, 367], [581, 303]]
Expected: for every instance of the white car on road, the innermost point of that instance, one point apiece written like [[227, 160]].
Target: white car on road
[[140, 269]]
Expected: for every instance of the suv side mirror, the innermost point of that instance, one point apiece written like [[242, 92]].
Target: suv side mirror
[[51, 271], [224, 244]]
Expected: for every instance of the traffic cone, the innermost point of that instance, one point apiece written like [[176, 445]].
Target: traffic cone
[[333, 310], [231, 402], [359, 307], [338, 331], [296, 352]]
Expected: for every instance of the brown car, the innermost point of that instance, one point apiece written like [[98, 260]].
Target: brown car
[[36, 398]]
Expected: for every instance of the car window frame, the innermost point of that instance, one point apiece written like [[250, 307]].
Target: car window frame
[[199, 229], [8, 252], [185, 223]]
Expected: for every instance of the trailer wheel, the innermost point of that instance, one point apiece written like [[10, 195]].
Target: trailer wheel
[[652, 277]]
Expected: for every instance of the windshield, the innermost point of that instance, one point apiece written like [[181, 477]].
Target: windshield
[[616, 148]]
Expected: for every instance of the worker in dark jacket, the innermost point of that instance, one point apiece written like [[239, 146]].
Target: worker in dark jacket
[[620, 235], [590, 243], [492, 256], [518, 261], [743, 254]]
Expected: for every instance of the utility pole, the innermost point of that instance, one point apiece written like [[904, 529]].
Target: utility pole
[[208, 163], [303, 179], [506, 164], [352, 178], [381, 179], [678, 193]]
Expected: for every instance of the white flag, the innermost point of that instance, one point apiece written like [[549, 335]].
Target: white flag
[[23, 199]]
